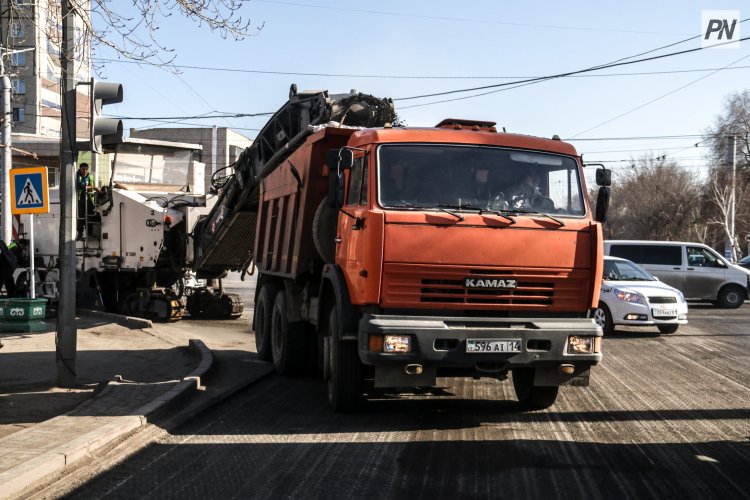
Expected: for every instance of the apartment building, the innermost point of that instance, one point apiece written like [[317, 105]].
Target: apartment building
[[30, 35]]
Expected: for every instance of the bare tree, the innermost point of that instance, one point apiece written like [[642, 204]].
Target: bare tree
[[718, 196], [131, 28], [734, 121], [655, 200]]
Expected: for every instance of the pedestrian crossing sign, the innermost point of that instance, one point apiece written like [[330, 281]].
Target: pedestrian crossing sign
[[28, 189]]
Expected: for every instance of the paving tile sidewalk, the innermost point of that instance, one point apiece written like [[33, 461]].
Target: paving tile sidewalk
[[44, 429]]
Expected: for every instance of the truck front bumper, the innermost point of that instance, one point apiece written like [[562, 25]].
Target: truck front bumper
[[441, 343]]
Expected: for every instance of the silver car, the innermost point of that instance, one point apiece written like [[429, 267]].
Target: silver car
[[693, 268]]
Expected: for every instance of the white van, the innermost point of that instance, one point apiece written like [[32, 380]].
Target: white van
[[693, 268]]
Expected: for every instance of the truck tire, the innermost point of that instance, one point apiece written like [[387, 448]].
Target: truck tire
[[730, 297], [667, 328], [344, 370], [287, 340], [325, 225], [262, 322], [603, 318], [532, 397]]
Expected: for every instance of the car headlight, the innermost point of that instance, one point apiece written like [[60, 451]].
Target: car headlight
[[682, 297], [629, 296]]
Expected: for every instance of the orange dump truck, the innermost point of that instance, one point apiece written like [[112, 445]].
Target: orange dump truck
[[389, 256]]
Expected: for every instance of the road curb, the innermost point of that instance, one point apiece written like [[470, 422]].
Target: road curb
[[128, 321], [33, 472]]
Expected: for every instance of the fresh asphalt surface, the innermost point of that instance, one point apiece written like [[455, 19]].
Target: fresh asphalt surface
[[666, 416]]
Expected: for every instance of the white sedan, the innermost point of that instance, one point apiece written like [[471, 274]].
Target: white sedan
[[630, 295]]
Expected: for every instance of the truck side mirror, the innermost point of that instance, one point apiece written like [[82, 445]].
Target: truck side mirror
[[603, 177], [336, 184], [338, 160], [602, 204]]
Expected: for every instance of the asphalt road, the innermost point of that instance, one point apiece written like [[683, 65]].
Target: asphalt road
[[666, 416]]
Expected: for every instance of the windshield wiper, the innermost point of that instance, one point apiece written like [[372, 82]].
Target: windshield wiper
[[499, 213], [444, 208], [533, 212], [409, 206]]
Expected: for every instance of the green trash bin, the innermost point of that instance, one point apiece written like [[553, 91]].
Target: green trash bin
[[22, 315]]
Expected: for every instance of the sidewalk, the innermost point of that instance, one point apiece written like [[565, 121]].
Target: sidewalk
[[127, 375]]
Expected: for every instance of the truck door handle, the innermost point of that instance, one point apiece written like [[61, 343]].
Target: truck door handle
[[337, 239], [678, 268], [691, 269]]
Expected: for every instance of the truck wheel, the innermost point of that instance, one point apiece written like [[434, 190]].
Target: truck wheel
[[730, 297], [344, 370], [262, 322], [530, 396], [325, 225], [667, 328], [287, 339], [603, 318]]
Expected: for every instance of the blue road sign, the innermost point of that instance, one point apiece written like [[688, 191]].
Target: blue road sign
[[29, 190]]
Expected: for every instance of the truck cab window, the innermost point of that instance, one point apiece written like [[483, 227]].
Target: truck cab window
[[357, 183]]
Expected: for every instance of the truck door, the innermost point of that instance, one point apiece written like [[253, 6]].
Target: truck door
[[352, 231]]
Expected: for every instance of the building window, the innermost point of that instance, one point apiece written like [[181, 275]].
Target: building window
[[19, 86], [19, 115], [18, 59], [17, 31]]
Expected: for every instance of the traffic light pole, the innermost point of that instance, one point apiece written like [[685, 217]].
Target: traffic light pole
[[66, 337]]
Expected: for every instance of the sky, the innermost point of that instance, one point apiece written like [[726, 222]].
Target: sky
[[402, 49]]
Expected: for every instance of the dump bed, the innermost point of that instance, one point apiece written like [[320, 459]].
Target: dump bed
[[225, 239]]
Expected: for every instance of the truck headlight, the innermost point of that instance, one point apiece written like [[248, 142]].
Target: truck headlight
[[626, 296], [580, 345], [396, 343]]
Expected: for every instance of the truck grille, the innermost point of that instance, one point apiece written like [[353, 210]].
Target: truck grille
[[662, 300], [411, 285]]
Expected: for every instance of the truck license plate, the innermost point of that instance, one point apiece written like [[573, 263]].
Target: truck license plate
[[661, 313], [486, 345]]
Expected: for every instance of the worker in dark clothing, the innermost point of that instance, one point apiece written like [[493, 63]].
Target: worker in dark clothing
[[85, 191], [10, 257]]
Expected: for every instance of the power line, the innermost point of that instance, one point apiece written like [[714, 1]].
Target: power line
[[561, 75], [412, 77], [641, 138], [460, 19], [657, 98]]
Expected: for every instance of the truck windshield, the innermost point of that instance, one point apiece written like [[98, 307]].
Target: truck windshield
[[429, 176]]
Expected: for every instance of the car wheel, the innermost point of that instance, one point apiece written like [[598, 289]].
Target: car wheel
[[667, 328], [603, 318], [730, 297]]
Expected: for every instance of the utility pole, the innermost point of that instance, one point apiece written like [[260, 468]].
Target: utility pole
[[7, 232], [67, 333]]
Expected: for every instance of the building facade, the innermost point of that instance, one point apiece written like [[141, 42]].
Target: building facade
[[221, 146], [30, 36]]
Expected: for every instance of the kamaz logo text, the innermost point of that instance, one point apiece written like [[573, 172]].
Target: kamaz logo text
[[719, 28], [489, 283]]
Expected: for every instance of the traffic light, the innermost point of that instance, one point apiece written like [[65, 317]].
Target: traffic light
[[104, 130]]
